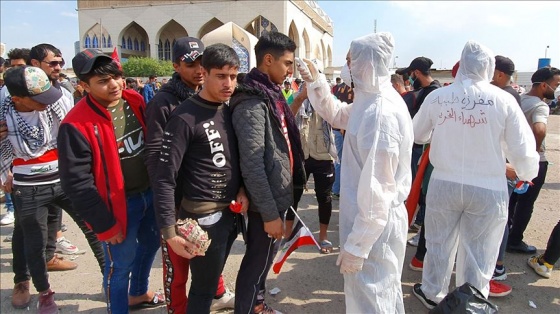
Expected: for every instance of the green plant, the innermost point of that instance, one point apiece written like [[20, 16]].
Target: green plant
[[143, 67]]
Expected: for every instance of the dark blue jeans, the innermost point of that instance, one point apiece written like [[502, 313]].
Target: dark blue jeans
[[9, 203], [339, 143], [128, 264]]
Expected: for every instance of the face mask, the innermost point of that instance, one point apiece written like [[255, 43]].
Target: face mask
[[414, 82], [411, 80], [557, 93], [346, 76]]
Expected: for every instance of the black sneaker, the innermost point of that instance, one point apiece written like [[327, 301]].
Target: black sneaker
[[522, 247], [420, 295]]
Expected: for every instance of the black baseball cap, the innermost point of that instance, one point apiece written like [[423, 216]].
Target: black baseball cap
[[27, 81], [187, 49], [84, 61], [421, 63], [504, 64]]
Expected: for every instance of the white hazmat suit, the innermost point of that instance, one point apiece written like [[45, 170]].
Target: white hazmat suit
[[473, 126], [375, 179]]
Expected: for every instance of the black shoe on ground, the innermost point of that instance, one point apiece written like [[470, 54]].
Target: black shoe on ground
[[420, 295], [522, 247]]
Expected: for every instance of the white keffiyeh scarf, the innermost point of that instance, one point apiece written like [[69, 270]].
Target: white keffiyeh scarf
[[27, 141]]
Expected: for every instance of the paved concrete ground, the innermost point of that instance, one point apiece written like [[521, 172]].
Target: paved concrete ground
[[310, 282]]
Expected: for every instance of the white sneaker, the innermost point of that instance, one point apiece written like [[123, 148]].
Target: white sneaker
[[227, 301], [64, 246], [414, 240], [8, 219], [542, 268]]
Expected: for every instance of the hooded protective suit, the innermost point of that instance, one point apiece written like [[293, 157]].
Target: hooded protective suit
[[473, 127], [376, 175]]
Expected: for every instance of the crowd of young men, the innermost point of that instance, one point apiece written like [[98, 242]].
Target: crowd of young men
[[126, 171]]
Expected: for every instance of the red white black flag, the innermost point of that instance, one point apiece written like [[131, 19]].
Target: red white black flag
[[301, 235]]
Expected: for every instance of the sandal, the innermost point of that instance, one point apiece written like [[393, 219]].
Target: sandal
[[157, 300], [326, 247]]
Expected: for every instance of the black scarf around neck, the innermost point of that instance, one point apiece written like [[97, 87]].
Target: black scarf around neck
[[178, 88], [258, 80]]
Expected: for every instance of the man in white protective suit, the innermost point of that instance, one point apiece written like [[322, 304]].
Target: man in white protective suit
[[473, 126], [376, 174]]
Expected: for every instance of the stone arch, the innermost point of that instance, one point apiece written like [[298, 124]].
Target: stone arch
[[209, 26], [329, 56], [129, 35], [294, 35], [166, 38], [93, 37], [317, 52], [307, 44], [324, 53], [260, 25]]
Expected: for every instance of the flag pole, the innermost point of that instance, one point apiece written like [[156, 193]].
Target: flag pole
[[305, 226]]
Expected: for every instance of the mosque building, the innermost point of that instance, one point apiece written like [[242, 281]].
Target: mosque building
[[149, 28]]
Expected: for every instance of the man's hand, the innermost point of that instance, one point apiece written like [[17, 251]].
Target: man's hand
[[349, 263], [510, 172], [307, 69], [7, 187], [3, 130], [243, 200], [182, 247], [116, 239], [302, 93], [275, 228]]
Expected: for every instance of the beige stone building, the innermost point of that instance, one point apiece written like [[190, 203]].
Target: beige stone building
[[148, 28]]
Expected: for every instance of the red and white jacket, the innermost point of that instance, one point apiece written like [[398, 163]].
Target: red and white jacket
[[90, 168]]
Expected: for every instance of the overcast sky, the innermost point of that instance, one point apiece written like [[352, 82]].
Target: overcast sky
[[520, 30]]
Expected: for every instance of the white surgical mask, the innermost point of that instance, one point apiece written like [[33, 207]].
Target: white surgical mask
[[345, 74]]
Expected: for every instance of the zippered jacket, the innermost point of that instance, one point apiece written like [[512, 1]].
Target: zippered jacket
[[263, 153], [89, 164]]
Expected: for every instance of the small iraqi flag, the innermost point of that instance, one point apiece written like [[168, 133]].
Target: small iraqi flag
[[300, 236]]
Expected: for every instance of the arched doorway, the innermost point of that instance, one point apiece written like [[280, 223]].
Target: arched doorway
[[168, 34], [134, 41]]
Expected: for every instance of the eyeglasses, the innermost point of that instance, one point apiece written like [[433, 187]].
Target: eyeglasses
[[53, 64]]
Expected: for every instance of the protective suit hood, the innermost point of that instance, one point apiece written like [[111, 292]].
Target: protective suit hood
[[476, 65], [371, 55]]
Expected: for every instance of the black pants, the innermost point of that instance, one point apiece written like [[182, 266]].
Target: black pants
[[323, 174], [521, 206], [206, 270], [421, 249], [552, 253], [37, 222], [255, 265]]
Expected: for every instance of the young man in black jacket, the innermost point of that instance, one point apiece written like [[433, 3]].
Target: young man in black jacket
[[199, 145], [185, 83], [270, 152]]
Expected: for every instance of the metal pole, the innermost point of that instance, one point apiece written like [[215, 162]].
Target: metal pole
[[546, 50]]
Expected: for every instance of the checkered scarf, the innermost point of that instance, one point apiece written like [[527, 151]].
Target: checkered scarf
[[27, 141]]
